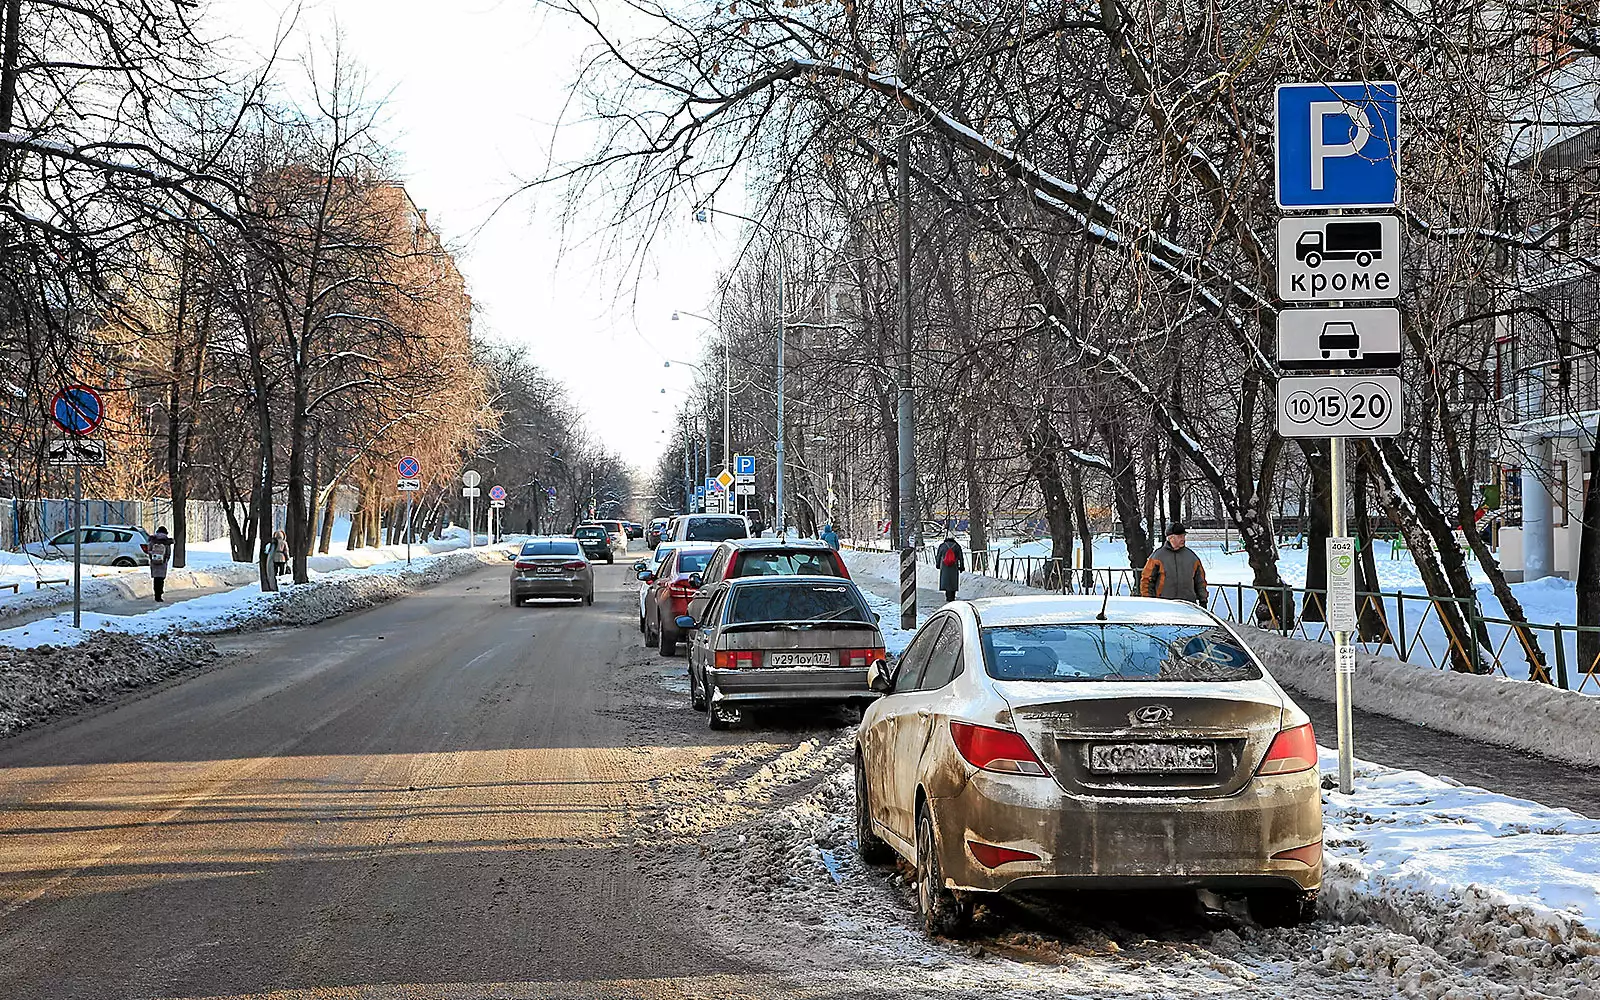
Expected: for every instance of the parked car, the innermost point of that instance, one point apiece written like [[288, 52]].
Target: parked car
[[635, 529], [657, 530], [551, 567], [668, 588], [103, 545], [1035, 744], [645, 569], [710, 528], [766, 557], [780, 640], [617, 531], [595, 541]]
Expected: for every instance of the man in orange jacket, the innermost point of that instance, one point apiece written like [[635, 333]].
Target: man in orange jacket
[[1174, 571]]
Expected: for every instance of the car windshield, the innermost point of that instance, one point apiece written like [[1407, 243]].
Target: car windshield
[[552, 547], [797, 602], [715, 529], [804, 562], [693, 562], [594, 531], [1115, 651]]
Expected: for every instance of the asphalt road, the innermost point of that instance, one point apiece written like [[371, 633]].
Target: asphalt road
[[440, 790]]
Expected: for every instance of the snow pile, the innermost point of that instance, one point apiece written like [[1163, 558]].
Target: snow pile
[[1479, 877], [324, 596], [1538, 718], [46, 681]]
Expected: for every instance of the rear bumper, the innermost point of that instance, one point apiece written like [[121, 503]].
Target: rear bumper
[[789, 684], [1087, 842], [554, 587]]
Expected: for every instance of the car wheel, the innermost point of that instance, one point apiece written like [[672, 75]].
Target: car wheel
[[641, 625], [516, 602], [651, 635], [1281, 907], [589, 597], [717, 717], [944, 914], [667, 644], [610, 559], [697, 701], [872, 848], [124, 562]]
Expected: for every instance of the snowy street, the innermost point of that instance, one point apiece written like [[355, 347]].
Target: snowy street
[[444, 796]]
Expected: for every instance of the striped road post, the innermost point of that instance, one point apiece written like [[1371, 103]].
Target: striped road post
[[908, 587]]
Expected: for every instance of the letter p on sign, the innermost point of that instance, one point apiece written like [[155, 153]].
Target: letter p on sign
[[1338, 145]]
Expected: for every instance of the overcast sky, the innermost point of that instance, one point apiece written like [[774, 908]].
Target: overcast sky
[[473, 89]]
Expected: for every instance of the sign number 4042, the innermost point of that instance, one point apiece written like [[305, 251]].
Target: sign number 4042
[[1364, 405]]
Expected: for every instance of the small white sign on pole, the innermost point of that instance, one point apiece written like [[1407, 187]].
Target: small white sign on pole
[[469, 491], [1344, 659], [1342, 406], [1342, 584]]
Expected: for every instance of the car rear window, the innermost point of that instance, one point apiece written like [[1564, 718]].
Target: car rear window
[[550, 548], [593, 531], [1115, 651], [804, 562], [797, 602], [715, 529], [693, 562]]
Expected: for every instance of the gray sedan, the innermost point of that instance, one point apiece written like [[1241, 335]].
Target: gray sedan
[[780, 639], [551, 567], [1039, 744]]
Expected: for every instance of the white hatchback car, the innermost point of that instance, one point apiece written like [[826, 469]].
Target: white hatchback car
[[103, 545]]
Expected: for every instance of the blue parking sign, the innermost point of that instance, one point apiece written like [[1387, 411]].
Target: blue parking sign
[[1338, 145], [744, 465]]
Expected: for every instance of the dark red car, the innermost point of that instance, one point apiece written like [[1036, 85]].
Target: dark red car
[[670, 588]]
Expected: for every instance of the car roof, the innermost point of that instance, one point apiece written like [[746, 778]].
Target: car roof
[[779, 543], [1063, 610], [756, 581]]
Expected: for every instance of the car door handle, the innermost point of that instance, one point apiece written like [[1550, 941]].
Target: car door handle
[[923, 714]]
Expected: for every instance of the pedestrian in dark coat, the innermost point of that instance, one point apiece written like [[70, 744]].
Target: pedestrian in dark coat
[[160, 559], [1174, 571], [951, 561]]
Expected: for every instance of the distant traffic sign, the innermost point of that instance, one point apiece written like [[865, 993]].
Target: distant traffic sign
[[1338, 257], [745, 490], [724, 479], [496, 504], [470, 478], [1338, 145], [77, 409], [410, 468], [744, 466], [410, 485], [1338, 339], [497, 493], [469, 491], [75, 451], [1341, 406]]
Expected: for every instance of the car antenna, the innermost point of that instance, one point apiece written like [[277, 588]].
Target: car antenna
[[1102, 615]]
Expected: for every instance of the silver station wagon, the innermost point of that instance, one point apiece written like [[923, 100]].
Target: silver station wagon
[[1058, 743], [769, 640]]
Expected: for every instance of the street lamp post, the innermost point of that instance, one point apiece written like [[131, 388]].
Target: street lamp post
[[727, 392]]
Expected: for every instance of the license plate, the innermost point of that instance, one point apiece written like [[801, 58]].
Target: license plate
[[547, 570], [1153, 758], [801, 659]]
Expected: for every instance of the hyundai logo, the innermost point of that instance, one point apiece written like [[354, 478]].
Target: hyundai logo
[[1150, 715]]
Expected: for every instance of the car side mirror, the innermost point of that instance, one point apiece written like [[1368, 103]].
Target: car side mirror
[[880, 677], [645, 576], [684, 623]]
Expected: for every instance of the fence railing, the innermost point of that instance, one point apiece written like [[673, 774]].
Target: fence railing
[[1413, 627]]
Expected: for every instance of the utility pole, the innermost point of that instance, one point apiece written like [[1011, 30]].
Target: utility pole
[[783, 335], [910, 520]]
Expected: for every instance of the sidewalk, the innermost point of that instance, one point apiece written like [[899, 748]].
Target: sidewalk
[[1403, 745], [113, 604]]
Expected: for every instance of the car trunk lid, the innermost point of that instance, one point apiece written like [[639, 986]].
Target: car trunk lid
[[1132, 739], [778, 640]]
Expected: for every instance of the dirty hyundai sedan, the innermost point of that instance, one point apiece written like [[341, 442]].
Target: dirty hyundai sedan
[[1055, 743]]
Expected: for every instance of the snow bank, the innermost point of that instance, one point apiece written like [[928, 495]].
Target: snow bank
[[327, 594], [46, 681], [1473, 874]]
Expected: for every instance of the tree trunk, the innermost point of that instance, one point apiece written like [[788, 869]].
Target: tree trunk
[[1125, 495], [1589, 572], [358, 517], [977, 503], [325, 539], [1373, 626], [1080, 510]]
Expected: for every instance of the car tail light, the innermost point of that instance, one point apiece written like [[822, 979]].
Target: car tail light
[[999, 750], [574, 564], [1309, 855], [145, 548], [681, 587], [990, 856], [861, 657], [1292, 751], [738, 659], [523, 565]]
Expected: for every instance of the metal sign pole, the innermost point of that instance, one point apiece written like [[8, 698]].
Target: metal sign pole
[[77, 546], [1343, 652], [408, 527], [472, 518]]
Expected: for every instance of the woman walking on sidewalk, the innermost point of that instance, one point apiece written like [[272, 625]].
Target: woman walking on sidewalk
[[160, 559]]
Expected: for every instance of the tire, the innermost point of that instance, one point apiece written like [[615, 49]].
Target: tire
[[667, 644], [715, 720], [651, 636], [697, 701], [944, 914], [124, 562], [871, 847], [1281, 907], [610, 559], [588, 598], [641, 627]]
